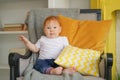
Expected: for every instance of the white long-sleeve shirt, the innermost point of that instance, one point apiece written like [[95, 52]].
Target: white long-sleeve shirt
[[50, 48]]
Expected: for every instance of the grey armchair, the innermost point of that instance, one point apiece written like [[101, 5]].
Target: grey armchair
[[21, 64]]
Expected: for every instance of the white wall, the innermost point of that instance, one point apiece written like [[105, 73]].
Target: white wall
[[14, 11], [58, 3], [83, 4]]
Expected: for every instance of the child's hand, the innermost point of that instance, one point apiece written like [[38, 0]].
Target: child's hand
[[23, 39]]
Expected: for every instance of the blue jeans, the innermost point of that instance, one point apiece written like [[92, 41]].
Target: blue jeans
[[42, 65]]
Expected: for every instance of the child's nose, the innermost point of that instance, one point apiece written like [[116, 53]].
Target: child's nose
[[51, 30]]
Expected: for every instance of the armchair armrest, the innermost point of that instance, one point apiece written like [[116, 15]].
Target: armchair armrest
[[14, 63], [109, 63], [105, 66]]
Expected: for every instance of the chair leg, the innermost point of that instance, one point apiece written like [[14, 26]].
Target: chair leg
[[109, 73], [12, 74]]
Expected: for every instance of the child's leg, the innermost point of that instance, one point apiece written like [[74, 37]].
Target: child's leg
[[47, 66], [56, 71], [41, 65], [69, 70]]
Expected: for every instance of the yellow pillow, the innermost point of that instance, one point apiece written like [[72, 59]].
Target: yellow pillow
[[69, 27], [92, 34], [84, 60]]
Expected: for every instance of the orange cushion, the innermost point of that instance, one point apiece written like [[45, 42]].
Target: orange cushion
[[69, 27], [92, 34], [87, 34]]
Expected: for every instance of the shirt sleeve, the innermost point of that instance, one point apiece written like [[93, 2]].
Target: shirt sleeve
[[37, 44], [65, 41]]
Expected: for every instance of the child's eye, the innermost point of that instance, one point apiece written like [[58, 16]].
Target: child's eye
[[55, 27], [48, 27]]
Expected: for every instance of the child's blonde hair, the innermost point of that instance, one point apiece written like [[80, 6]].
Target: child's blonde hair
[[50, 18]]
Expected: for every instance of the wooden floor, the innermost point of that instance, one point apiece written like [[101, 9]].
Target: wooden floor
[[4, 74]]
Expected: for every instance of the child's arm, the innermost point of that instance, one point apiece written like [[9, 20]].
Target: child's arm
[[28, 44]]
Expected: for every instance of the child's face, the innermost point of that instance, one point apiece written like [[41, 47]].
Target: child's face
[[52, 29]]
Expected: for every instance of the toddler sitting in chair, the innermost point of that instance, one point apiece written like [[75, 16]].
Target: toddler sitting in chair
[[49, 47]]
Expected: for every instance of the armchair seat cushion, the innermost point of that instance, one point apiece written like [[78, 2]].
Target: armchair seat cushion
[[92, 78], [38, 76]]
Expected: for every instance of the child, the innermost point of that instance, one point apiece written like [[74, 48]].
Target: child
[[49, 47]]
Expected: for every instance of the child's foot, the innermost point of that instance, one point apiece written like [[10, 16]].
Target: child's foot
[[56, 71], [69, 70]]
